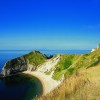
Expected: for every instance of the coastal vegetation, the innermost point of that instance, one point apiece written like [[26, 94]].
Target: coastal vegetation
[[82, 85], [77, 74], [82, 77], [35, 58], [71, 63], [23, 63]]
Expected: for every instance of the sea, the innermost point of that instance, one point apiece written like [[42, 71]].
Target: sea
[[24, 87]]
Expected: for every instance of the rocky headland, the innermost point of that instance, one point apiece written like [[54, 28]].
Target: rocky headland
[[52, 71]]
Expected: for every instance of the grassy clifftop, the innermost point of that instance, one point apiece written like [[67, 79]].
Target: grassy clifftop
[[82, 77], [22, 63], [35, 58], [83, 85], [65, 63], [69, 64]]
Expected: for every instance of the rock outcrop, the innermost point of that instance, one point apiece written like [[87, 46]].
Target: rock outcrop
[[14, 66], [27, 62]]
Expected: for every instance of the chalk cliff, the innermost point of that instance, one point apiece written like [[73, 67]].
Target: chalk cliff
[[29, 61]]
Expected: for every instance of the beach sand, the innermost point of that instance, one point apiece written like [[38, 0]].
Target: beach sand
[[48, 83]]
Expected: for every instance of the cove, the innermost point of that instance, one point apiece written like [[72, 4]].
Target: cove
[[20, 87]]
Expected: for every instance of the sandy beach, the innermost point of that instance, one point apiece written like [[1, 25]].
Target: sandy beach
[[48, 83]]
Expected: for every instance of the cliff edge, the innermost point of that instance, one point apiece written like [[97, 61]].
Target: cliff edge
[[29, 61]]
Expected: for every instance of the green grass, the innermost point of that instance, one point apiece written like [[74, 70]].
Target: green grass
[[82, 78], [57, 75], [35, 58], [65, 62], [83, 85], [49, 72], [69, 64]]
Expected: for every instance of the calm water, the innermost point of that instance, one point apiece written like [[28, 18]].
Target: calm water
[[20, 87], [24, 87]]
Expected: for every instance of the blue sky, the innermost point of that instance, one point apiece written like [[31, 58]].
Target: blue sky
[[49, 24]]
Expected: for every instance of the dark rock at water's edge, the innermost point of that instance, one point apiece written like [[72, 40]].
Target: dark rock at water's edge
[[23, 63], [1, 76], [14, 66]]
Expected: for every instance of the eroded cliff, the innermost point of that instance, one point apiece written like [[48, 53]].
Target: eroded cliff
[[29, 61]]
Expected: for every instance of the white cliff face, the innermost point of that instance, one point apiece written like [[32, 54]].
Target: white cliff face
[[48, 64], [93, 50], [48, 82], [39, 71], [19, 65], [45, 66], [31, 67], [98, 47]]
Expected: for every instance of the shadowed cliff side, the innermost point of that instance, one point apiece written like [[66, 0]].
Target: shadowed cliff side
[[29, 61]]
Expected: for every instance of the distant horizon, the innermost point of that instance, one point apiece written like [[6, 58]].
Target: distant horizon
[[47, 52], [40, 49]]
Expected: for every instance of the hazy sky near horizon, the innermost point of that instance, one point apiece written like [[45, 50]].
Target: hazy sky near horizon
[[49, 24]]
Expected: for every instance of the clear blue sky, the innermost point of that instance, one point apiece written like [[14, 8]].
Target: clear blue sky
[[49, 24]]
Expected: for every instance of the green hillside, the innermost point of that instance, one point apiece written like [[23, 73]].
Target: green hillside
[[83, 85], [23, 63], [35, 58], [65, 63], [70, 64], [82, 77]]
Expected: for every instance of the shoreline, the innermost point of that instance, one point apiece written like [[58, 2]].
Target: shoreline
[[48, 83], [42, 82]]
